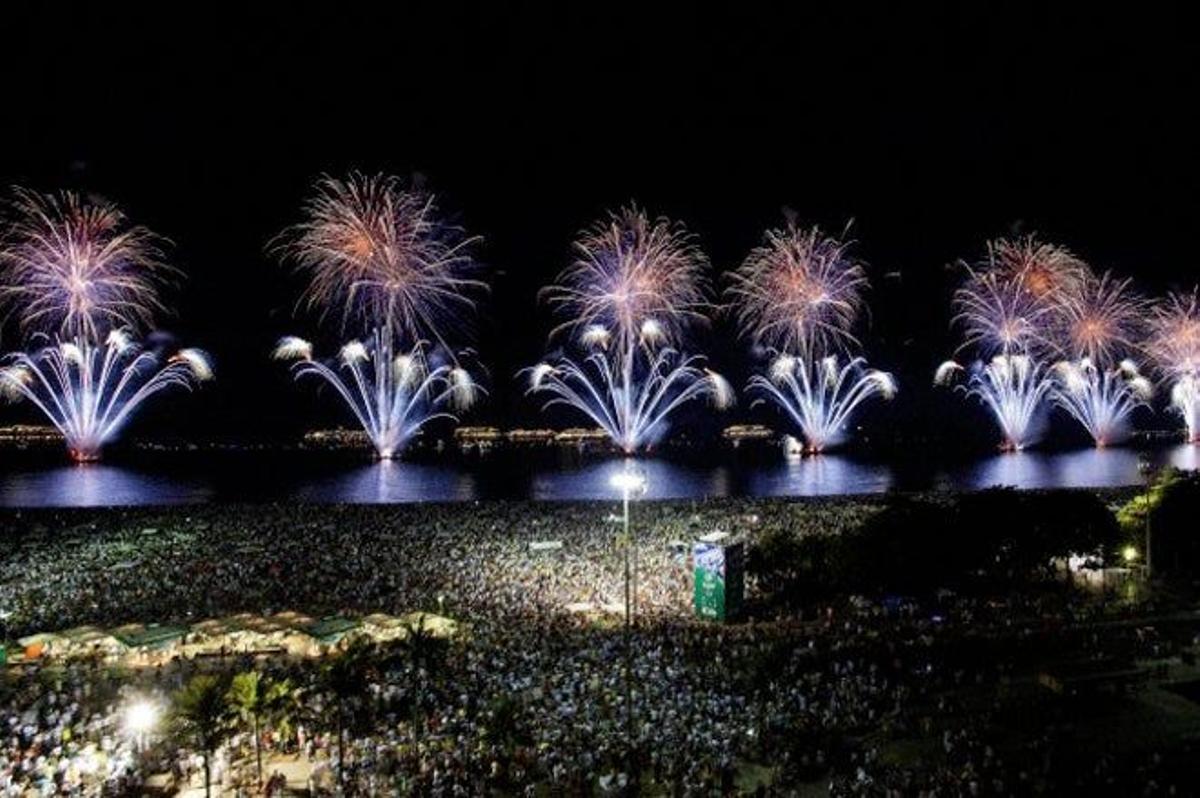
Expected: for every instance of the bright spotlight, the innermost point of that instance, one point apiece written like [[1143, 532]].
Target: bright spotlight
[[1130, 553], [141, 717], [629, 481]]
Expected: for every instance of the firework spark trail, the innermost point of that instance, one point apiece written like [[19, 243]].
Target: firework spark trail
[[1012, 387], [378, 254], [1174, 343], [88, 392], [820, 396], [392, 395], [1100, 399], [630, 396], [999, 314], [1185, 398], [76, 268], [799, 291], [628, 296]]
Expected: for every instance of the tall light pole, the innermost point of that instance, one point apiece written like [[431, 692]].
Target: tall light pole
[[1149, 554], [628, 481]]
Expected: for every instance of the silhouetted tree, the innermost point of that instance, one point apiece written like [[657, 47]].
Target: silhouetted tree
[[1164, 518], [201, 718], [255, 699], [344, 678]]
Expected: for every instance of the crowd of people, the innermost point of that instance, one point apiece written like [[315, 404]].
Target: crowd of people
[[60, 733], [114, 566], [546, 691]]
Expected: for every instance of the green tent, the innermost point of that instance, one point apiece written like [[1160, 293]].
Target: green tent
[[330, 629], [152, 636]]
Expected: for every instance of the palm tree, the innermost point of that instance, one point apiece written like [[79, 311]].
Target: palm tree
[[255, 699], [202, 719], [424, 648], [344, 677], [423, 652]]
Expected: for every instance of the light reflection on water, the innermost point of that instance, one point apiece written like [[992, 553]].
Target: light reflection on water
[[824, 475], [1084, 468], [315, 480], [389, 482], [98, 485], [1185, 457]]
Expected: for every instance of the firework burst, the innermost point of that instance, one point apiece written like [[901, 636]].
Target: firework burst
[[74, 270], [75, 267], [1101, 319], [378, 254], [820, 396], [628, 296], [799, 294], [1013, 300], [1047, 271], [1175, 334], [392, 395], [1100, 399], [799, 291], [1011, 387], [1174, 343], [89, 392], [630, 270], [1011, 310]]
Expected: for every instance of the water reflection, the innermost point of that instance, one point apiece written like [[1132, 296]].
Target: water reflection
[[721, 482], [390, 482], [823, 475], [312, 478], [1185, 456], [97, 485], [1084, 468]]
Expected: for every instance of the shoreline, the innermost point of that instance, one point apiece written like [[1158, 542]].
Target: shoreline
[[1105, 493], [264, 478]]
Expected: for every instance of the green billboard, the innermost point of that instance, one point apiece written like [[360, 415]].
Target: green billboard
[[719, 578]]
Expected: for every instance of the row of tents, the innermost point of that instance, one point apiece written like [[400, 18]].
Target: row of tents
[[289, 633]]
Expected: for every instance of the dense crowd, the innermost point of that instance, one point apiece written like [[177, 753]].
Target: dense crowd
[[533, 698], [64, 732], [63, 568]]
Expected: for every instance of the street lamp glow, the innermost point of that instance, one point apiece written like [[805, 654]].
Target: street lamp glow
[[141, 717], [1130, 553], [628, 481]]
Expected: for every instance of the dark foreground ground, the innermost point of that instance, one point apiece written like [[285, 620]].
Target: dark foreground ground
[[842, 691]]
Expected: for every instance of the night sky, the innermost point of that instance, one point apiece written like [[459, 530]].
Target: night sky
[[931, 130]]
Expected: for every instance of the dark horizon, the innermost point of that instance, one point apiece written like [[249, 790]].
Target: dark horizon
[[932, 131]]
